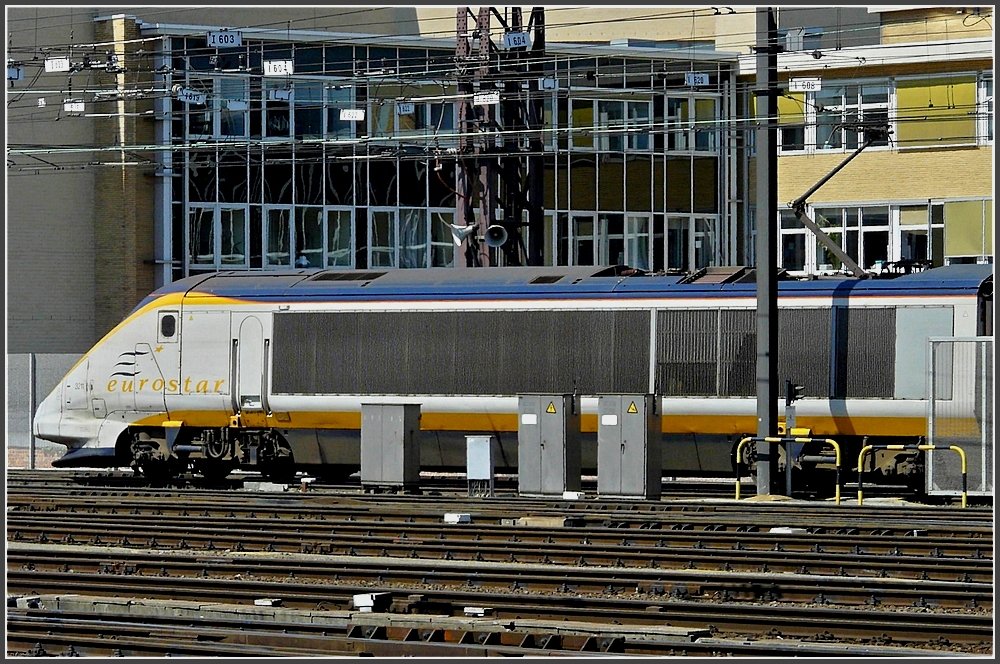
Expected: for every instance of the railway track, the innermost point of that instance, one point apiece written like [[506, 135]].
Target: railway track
[[524, 594], [649, 581], [741, 578], [68, 633], [967, 561], [676, 514]]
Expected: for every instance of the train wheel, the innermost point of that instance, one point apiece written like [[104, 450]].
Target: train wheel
[[158, 472], [276, 463], [214, 471], [279, 471]]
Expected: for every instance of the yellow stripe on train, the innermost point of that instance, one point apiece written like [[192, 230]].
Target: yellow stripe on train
[[507, 422]]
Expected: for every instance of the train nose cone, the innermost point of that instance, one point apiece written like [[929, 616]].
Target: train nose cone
[[46, 421]]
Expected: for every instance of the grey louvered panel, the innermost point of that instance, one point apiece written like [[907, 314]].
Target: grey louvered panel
[[804, 350], [738, 353], [687, 350], [498, 352], [865, 352]]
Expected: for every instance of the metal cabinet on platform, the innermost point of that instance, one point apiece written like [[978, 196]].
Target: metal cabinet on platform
[[548, 444], [390, 444], [629, 442]]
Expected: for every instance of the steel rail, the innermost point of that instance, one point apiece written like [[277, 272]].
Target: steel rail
[[421, 511], [584, 551], [748, 586]]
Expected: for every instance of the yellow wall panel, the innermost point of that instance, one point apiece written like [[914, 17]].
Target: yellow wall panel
[[792, 108], [989, 228], [963, 228], [913, 215], [938, 111]]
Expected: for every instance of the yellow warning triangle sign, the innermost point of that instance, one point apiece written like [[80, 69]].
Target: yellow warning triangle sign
[[632, 409], [551, 408]]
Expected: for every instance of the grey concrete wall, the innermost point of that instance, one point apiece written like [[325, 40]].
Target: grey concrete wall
[[49, 371], [50, 211], [53, 213]]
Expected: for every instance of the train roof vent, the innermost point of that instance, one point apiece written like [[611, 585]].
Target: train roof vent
[[546, 279], [718, 275], [352, 275]]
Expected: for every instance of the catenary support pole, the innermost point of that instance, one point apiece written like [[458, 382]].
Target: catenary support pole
[[32, 405], [766, 246]]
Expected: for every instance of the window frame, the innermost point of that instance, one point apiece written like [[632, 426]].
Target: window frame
[[160, 316], [627, 134], [984, 108], [265, 240], [682, 135], [893, 227], [809, 126], [217, 211]]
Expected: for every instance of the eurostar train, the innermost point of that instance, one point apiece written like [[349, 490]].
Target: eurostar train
[[268, 371]]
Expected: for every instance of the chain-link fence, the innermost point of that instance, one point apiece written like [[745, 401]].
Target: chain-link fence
[[961, 414], [30, 378]]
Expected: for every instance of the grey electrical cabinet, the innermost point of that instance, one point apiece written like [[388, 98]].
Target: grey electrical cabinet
[[629, 442], [548, 444], [390, 444]]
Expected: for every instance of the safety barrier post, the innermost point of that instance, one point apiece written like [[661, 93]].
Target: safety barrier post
[[739, 448], [861, 459], [965, 477], [788, 458]]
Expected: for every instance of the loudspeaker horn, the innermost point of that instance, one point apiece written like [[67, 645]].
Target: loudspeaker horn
[[496, 235], [459, 233]]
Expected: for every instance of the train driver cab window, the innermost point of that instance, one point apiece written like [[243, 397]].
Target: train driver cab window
[[168, 327]]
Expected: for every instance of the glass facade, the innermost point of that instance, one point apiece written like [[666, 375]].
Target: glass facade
[[352, 160]]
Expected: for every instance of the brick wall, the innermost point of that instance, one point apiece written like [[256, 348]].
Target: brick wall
[[124, 227], [887, 175]]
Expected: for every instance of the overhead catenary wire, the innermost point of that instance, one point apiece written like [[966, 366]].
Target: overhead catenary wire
[[679, 15], [449, 68]]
